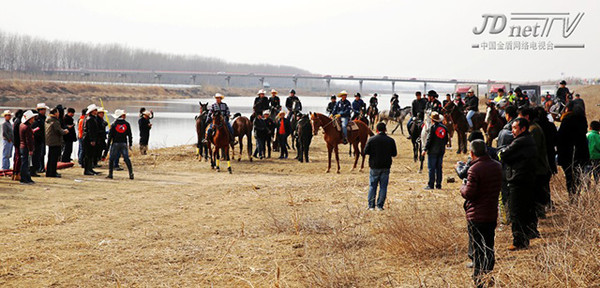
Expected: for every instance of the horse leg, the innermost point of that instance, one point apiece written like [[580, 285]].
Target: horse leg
[[398, 125], [210, 154], [232, 150], [356, 151], [350, 150], [329, 149], [337, 158], [228, 159], [362, 150], [421, 158], [218, 158]]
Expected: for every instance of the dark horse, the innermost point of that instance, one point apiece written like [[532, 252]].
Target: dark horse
[[304, 138], [460, 124], [495, 123], [221, 141], [415, 138], [201, 124], [242, 127], [333, 138], [373, 115]]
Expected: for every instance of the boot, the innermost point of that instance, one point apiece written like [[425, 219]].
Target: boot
[[110, 170], [130, 168]]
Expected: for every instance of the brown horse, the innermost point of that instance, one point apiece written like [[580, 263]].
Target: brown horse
[[449, 126], [460, 125], [201, 123], [495, 123], [221, 141], [242, 127], [333, 138]]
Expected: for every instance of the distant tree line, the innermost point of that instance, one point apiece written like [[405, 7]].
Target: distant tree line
[[33, 55]]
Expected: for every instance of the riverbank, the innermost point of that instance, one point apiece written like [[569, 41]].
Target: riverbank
[[272, 223]]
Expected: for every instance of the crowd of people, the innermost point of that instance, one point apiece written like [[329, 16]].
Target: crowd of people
[[43, 137]]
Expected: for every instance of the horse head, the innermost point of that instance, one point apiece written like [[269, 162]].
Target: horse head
[[203, 107], [217, 118], [315, 122]]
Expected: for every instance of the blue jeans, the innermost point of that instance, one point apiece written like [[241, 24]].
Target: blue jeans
[[378, 177], [260, 147], [345, 125], [6, 154], [116, 151], [469, 116], [80, 152], [25, 175], [434, 164]]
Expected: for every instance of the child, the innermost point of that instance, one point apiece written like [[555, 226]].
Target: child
[[593, 138]]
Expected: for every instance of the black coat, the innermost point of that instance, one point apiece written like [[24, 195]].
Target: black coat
[[144, 125], [550, 133], [418, 106], [261, 104], [260, 128], [90, 129], [71, 136], [380, 148], [286, 126], [472, 103], [437, 140], [571, 140], [519, 158], [39, 136]]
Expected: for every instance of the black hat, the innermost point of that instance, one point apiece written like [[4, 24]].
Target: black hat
[[374, 94], [500, 90], [432, 93], [563, 82], [332, 97], [357, 95], [293, 91], [381, 127], [518, 89]]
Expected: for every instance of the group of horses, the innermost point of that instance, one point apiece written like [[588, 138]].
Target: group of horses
[[304, 126]]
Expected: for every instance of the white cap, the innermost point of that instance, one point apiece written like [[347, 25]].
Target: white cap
[[41, 106], [28, 115], [274, 91], [91, 108], [266, 112], [119, 113], [101, 110], [261, 91], [219, 95], [470, 90]]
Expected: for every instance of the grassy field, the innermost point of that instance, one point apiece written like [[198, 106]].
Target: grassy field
[[274, 223]]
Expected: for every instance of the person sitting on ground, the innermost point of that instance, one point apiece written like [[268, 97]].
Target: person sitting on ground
[[342, 111], [471, 106], [381, 149], [480, 191], [593, 138]]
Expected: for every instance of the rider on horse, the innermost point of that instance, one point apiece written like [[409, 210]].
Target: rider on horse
[[522, 99], [395, 106], [261, 103], [274, 100], [331, 105], [471, 105], [223, 109], [358, 106], [373, 102], [293, 104], [418, 109], [342, 110], [433, 104]]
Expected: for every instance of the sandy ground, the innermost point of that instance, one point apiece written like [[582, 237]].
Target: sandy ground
[[272, 223]]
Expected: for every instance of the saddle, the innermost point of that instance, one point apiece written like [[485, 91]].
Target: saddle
[[351, 125]]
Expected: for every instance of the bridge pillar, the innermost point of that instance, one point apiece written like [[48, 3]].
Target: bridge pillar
[[393, 87], [157, 77], [228, 79], [328, 85], [193, 79], [262, 82], [295, 83], [424, 88], [360, 82]]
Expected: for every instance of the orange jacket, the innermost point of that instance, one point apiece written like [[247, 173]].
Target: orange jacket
[[80, 126]]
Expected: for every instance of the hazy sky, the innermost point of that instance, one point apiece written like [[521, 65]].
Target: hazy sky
[[375, 38]]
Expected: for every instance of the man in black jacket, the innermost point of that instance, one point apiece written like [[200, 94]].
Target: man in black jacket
[[70, 137], [261, 132], [380, 148], [433, 104], [471, 106], [435, 147], [90, 140], [562, 94], [145, 126], [119, 142], [518, 158], [417, 110], [331, 105], [571, 147], [39, 136], [293, 104]]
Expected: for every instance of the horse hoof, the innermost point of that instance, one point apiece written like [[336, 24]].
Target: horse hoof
[[361, 170], [239, 159], [326, 171], [250, 159], [338, 172]]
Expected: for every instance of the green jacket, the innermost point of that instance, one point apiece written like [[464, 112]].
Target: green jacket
[[593, 138], [54, 133]]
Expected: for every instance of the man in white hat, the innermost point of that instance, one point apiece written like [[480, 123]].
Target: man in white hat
[[145, 126], [342, 110], [261, 103], [274, 100], [101, 146], [219, 107], [90, 140], [120, 142], [26, 145], [7, 139], [435, 147], [39, 136]]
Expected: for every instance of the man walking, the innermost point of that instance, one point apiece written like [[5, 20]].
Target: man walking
[[435, 147], [380, 148], [120, 141], [481, 190], [54, 140], [7, 140], [518, 158]]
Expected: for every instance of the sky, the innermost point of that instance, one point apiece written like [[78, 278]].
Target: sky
[[422, 39]]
